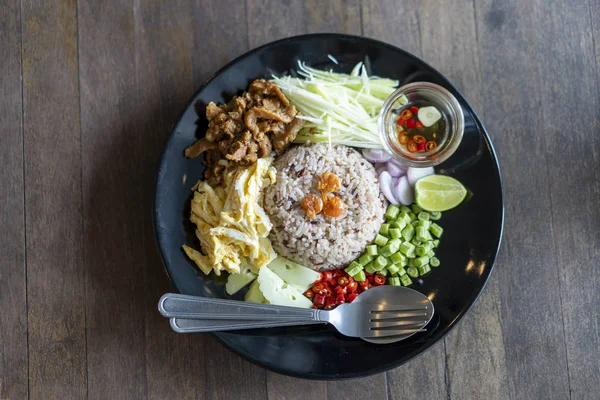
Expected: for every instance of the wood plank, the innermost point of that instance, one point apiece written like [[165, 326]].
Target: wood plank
[[289, 19], [421, 378], [475, 357], [568, 72], [112, 202], [166, 53], [55, 280], [13, 319], [217, 38], [401, 24], [511, 85]]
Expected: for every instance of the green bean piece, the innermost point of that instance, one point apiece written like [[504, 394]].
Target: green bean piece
[[430, 254], [415, 208], [401, 272], [372, 249], [354, 268], [408, 232], [405, 209], [424, 269], [421, 251], [370, 268], [394, 281], [397, 257], [393, 269], [425, 224], [422, 234], [380, 240], [386, 250], [436, 230], [405, 217], [413, 216], [360, 277], [435, 215], [392, 212], [364, 260], [416, 241], [405, 280], [423, 216], [419, 262], [400, 223], [380, 262], [436, 243], [395, 233], [384, 229], [411, 263], [408, 249], [434, 262], [412, 272]]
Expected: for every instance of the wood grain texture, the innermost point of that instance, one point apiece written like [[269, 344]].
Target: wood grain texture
[[270, 20], [13, 318], [400, 24], [569, 73], [55, 279], [422, 378], [220, 35], [113, 198], [528, 270], [165, 37]]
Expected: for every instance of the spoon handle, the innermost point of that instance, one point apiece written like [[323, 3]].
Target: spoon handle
[[182, 306], [185, 325]]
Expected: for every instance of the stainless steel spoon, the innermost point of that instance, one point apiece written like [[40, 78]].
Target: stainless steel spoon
[[384, 314]]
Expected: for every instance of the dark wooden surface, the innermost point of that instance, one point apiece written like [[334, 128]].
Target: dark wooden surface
[[88, 90]]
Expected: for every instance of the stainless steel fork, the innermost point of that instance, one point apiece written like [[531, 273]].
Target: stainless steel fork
[[379, 313]]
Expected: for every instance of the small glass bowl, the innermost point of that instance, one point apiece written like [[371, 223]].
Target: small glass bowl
[[419, 92]]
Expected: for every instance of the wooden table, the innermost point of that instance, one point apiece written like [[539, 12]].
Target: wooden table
[[88, 91]]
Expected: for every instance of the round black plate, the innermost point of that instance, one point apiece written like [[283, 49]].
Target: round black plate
[[467, 252]]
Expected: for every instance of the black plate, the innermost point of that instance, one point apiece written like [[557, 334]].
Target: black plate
[[467, 252]]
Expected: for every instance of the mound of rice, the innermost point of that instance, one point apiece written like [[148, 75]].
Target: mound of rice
[[323, 243]]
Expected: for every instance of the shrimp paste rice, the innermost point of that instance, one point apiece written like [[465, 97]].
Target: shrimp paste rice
[[323, 243]]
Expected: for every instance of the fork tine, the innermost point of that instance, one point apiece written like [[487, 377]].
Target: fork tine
[[380, 333], [396, 322], [398, 313]]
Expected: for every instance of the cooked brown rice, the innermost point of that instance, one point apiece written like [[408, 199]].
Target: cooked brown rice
[[323, 243]]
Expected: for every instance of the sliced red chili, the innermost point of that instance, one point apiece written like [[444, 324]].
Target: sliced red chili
[[340, 289], [411, 123], [319, 300], [327, 276], [340, 299], [309, 294], [421, 146], [317, 287], [414, 109], [402, 138], [430, 146], [329, 303], [419, 139], [364, 283], [343, 281], [320, 278], [351, 297], [379, 280], [405, 115], [352, 287], [411, 146], [419, 125]]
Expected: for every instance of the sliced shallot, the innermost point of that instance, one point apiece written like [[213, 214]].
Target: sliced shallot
[[385, 184], [414, 174], [403, 192], [376, 155], [394, 170]]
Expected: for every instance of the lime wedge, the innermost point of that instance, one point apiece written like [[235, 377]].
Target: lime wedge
[[439, 193]]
